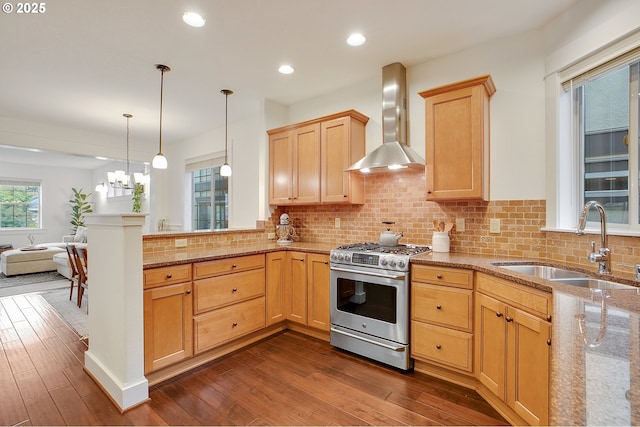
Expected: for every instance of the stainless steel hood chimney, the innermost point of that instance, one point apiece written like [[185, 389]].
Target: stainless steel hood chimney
[[394, 153]]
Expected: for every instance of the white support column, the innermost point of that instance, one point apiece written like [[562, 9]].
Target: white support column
[[115, 358]]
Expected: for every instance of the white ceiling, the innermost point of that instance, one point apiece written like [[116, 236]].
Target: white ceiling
[[82, 63]]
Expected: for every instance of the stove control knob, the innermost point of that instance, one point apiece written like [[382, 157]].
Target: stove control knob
[[392, 263], [383, 261], [334, 257], [340, 257], [347, 257], [401, 264]]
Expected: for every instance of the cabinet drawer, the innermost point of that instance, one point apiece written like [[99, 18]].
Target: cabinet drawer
[[162, 276], [443, 306], [441, 275], [227, 265], [215, 292], [225, 324], [528, 299], [444, 346]]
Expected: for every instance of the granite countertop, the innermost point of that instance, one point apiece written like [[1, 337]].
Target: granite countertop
[[595, 357], [188, 256]]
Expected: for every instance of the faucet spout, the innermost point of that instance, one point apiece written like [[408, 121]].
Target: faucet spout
[[603, 256]]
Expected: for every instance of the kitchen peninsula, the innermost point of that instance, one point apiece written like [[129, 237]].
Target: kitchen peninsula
[[578, 367]]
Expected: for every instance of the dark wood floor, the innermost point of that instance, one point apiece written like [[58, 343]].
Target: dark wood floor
[[289, 379]]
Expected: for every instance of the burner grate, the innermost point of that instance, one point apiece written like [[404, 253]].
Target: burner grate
[[401, 249]]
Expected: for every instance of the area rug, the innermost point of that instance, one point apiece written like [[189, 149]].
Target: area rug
[[76, 317], [29, 279]]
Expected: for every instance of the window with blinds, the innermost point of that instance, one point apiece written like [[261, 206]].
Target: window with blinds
[[20, 204], [605, 121]]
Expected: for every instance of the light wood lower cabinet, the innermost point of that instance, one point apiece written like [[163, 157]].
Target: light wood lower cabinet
[[229, 299], [168, 333], [513, 346], [442, 320], [276, 277], [318, 310]]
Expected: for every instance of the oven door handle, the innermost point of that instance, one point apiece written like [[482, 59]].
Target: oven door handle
[[386, 276], [389, 347]]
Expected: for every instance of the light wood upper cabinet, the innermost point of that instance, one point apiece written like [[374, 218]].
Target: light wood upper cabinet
[[307, 160], [457, 140], [294, 166], [342, 144]]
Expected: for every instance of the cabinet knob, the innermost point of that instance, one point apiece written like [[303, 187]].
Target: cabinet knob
[[234, 266], [508, 319], [498, 314], [549, 341], [439, 276], [438, 307], [235, 324], [188, 291], [549, 318], [169, 276], [438, 346], [234, 290]]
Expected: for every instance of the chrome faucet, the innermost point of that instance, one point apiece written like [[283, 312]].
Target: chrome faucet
[[603, 256]]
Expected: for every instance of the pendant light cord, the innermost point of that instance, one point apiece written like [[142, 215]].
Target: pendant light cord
[[161, 94]]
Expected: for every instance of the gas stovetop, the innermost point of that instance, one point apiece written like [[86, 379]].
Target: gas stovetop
[[377, 256]]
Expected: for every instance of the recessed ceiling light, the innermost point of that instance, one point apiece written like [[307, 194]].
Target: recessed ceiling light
[[356, 39], [286, 69], [193, 19]]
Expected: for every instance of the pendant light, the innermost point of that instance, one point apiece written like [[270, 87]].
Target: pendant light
[[225, 170], [160, 161]]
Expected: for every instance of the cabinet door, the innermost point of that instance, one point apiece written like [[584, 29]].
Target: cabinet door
[[528, 349], [318, 310], [280, 168], [306, 164], [342, 144], [275, 283], [168, 328], [297, 287], [457, 140], [491, 344]]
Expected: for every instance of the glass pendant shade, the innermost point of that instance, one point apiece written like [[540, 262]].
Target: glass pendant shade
[[159, 161], [225, 170]]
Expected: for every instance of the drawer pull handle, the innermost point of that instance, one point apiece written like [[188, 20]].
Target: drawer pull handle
[[549, 341], [188, 291], [498, 314], [439, 276], [549, 318], [508, 319], [169, 276], [438, 346], [235, 324], [235, 289], [234, 266], [438, 307]]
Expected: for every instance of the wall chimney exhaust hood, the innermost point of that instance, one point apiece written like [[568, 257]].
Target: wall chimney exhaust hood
[[394, 153]]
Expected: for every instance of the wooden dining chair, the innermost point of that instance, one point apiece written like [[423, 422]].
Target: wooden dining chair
[[74, 271], [82, 271]]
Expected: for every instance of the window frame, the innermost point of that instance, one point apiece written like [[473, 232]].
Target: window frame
[[565, 175], [23, 182], [192, 165]]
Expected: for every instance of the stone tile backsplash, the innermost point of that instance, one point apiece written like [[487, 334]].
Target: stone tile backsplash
[[400, 198]]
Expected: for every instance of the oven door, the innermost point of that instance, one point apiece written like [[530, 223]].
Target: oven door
[[371, 301]]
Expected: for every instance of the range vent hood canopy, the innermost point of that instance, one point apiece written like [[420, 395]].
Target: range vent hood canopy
[[394, 153]]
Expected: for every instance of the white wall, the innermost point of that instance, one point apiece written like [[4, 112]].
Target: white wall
[[56, 193], [516, 65]]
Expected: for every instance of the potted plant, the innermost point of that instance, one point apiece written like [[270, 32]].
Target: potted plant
[[137, 196], [80, 206]]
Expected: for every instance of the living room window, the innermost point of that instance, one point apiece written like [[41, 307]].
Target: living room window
[[604, 118], [20, 204]]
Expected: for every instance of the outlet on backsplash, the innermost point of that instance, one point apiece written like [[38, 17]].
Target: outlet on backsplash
[[337, 223], [181, 243], [494, 225], [460, 225]]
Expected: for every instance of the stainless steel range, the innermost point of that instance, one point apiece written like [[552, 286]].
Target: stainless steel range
[[370, 301]]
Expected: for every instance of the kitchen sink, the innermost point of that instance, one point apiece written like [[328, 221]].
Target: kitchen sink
[[543, 271], [561, 275], [592, 283]]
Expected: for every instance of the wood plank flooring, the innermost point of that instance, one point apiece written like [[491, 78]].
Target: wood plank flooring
[[289, 379]]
